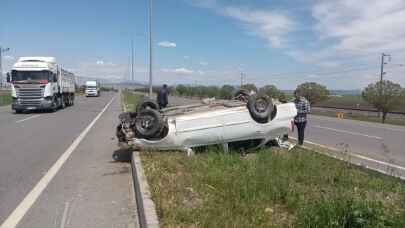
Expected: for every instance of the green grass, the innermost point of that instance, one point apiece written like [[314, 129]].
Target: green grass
[[353, 101], [271, 188], [130, 99], [5, 99]]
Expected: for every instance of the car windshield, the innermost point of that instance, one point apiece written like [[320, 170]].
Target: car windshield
[[31, 75]]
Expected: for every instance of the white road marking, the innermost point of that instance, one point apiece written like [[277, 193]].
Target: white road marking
[[360, 157], [15, 217], [31, 117], [65, 212], [348, 132]]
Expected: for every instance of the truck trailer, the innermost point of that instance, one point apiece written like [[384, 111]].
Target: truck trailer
[[39, 83]]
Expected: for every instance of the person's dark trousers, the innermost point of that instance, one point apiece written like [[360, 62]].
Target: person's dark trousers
[[162, 106], [301, 132]]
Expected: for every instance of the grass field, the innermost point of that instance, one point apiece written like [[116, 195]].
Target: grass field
[[353, 101], [5, 99], [130, 100], [271, 188]]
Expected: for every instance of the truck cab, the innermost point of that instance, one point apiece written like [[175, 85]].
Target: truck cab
[[92, 89], [38, 83]]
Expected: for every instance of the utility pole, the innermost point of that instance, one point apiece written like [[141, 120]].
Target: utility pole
[[380, 92], [382, 69], [382, 65], [150, 49], [1, 65], [132, 60], [241, 79]]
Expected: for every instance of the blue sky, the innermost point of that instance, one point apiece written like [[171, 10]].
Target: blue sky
[[336, 43]]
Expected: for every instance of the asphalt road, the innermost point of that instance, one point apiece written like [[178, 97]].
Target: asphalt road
[[86, 189], [377, 141]]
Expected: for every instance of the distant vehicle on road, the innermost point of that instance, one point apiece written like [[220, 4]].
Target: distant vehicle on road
[[249, 122], [92, 89], [39, 83]]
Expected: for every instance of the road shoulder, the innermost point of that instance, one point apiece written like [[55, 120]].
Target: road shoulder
[[90, 190]]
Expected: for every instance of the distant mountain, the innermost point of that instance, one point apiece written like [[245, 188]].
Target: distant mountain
[[345, 92]]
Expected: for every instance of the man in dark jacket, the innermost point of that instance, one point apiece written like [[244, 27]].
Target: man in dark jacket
[[303, 108], [162, 97]]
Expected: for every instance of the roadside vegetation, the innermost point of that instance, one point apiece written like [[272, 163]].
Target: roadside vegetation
[[129, 100], [385, 97], [5, 98], [271, 188], [268, 188]]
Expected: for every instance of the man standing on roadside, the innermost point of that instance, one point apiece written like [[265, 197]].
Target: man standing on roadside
[[303, 108], [162, 97]]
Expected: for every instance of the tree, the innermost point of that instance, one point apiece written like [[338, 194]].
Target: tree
[[226, 92], [313, 91], [272, 91], [181, 90], [249, 87], [384, 96]]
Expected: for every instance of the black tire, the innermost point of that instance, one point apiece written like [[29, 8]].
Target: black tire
[[260, 108], [241, 95], [148, 123], [54, 107], [18, 111], [116, 157], [62, 102], [147, 104]]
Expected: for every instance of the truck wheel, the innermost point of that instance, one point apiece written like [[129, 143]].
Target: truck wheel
[[147, 104], [18, 111], [241, 95], [260, 108], [148, 123], [62, 102], [54, 105]]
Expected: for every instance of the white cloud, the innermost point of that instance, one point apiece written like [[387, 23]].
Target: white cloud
[[109, 71], [8, 57], [202, 63], [362, 25], [167, 44], [179, 71], [272, 26], [100, 62], [204, 3]]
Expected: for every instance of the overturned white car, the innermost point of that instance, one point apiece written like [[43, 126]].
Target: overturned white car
[[247, 120]]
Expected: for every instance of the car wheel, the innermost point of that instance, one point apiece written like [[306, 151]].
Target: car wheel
[[148, 123], [241, 95], [260, 108], [147, 104]]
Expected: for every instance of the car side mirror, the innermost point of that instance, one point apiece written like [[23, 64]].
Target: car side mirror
[[8, 77]]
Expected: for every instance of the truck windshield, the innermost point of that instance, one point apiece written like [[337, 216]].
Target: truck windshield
[[32, 76]]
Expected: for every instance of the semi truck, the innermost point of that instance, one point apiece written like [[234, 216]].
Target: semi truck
[[92, 89], [39, 83]]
